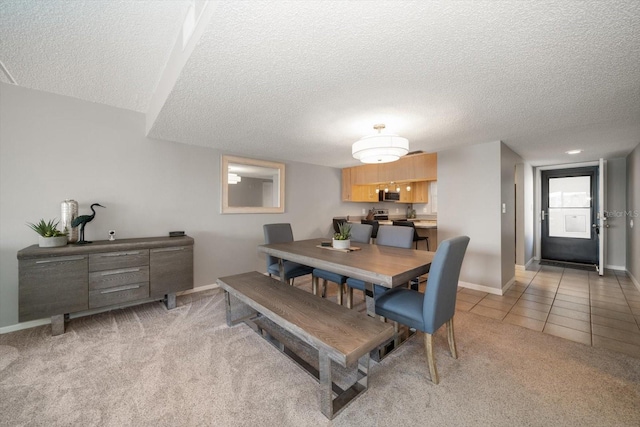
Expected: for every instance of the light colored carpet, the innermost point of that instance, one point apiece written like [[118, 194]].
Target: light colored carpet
[[145, 366]]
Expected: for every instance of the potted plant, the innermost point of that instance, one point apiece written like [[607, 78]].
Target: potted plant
[[341, 239], [50, 236]]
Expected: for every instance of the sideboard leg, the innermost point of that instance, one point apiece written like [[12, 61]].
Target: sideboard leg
[[57, 324], [170, 301]]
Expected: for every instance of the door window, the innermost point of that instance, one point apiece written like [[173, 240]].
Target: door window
[[570, 207]]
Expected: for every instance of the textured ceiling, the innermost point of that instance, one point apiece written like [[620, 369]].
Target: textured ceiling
[[302, 80]]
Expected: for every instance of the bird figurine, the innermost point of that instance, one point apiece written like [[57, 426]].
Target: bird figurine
[[82, 220]]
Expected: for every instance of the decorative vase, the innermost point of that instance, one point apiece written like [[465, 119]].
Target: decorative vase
[[341, 244], [69, 212], [52, 242]]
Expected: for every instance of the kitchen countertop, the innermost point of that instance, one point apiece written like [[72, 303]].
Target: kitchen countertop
[[419, 223]]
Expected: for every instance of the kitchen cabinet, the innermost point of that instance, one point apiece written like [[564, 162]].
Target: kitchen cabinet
[[364, 193], [420, 190], [411, 168], [74, 278]]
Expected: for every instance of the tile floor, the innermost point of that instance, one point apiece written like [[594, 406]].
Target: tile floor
[[572, 304]]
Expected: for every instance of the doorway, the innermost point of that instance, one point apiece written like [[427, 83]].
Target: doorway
[[569, 227]]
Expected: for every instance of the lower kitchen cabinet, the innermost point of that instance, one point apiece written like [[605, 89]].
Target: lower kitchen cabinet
[[74, 278]]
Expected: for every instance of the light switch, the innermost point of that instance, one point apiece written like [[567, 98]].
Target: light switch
[[504, 208]]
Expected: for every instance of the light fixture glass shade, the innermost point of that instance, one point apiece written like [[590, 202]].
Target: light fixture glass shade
[[234, 178], [380, 148]]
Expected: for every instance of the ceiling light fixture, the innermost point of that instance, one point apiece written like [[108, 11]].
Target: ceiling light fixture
[[234, 178], [380, 148], [573, 151]]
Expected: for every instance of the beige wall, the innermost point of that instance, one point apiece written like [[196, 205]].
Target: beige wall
[[508, 161], [469, 197], [54, 148]]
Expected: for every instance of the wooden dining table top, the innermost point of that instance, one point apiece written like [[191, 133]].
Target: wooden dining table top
[[383, 265]]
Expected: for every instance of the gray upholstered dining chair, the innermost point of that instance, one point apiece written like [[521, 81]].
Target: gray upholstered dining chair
[[388, 235], [282, 233], [416, 236], [428, 311], [360, 233], [375, 224]]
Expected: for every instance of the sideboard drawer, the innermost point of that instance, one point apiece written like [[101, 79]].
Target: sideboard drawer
[[122, 276], [115, 260], [118, 294]]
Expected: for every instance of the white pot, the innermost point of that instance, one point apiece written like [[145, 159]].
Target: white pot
[[52, 242], [341, 244]]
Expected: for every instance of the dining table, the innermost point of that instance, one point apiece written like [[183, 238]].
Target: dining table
[[386, 266]]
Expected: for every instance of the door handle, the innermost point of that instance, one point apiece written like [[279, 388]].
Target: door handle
[[542, 215]]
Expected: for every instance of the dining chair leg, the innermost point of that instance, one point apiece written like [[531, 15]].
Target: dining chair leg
[[428, 345], [452, 339], [314, 285], [349, 297], [396, 334], [340, 289], [324, 288]]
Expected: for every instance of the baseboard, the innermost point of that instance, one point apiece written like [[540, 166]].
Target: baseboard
[[633, 279], [524, 267], [47, 321], [24, 325], [510, 283], [616, 267], [482, 288], [198, 289]]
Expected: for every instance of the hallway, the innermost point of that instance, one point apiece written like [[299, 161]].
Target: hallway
[[572, 304]]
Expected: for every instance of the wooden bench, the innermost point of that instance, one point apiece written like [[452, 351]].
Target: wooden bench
[[338, 334]]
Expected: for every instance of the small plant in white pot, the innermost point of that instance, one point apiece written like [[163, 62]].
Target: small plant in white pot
[[50, 236], [341, 239]]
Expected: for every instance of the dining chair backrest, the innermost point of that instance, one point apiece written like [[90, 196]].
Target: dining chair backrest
[[442, 285], [361, 233], [375, 224], [276, 233], [407, 224], [400, 237]]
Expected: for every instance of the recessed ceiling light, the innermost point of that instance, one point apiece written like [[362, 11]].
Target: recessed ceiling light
[[573, 151]]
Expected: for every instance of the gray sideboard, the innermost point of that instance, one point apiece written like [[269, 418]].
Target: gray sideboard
[[58, 281]]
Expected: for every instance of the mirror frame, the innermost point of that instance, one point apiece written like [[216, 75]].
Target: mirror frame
[[224, 179]]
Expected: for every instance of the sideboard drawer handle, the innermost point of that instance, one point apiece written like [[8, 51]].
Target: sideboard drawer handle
[[122, 271], [119, 288], [121, 254], [181, 248], [69, 258]]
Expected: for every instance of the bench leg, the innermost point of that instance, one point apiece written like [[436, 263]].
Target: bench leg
[[236, 310], [326, 392]]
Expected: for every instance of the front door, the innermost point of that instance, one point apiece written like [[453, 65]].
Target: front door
[[570, 230]]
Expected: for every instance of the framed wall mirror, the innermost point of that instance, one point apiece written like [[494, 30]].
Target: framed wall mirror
[[251, 186]]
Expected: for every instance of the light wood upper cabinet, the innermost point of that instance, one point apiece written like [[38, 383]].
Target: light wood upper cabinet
[[358, 182], [424, 167], [365, 174], [420, 190]]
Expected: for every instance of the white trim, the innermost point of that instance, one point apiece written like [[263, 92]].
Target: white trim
[[633, 279], [524, 267], [47, 321], [24, 325], [615, 267], [482, 288], [198, 289], [569, 165], [506, 287]]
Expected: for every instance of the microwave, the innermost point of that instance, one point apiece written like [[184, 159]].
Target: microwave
[[388, 196]]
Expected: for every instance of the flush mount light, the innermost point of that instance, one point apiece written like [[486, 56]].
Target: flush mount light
[[573, 151], [380, 148]]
